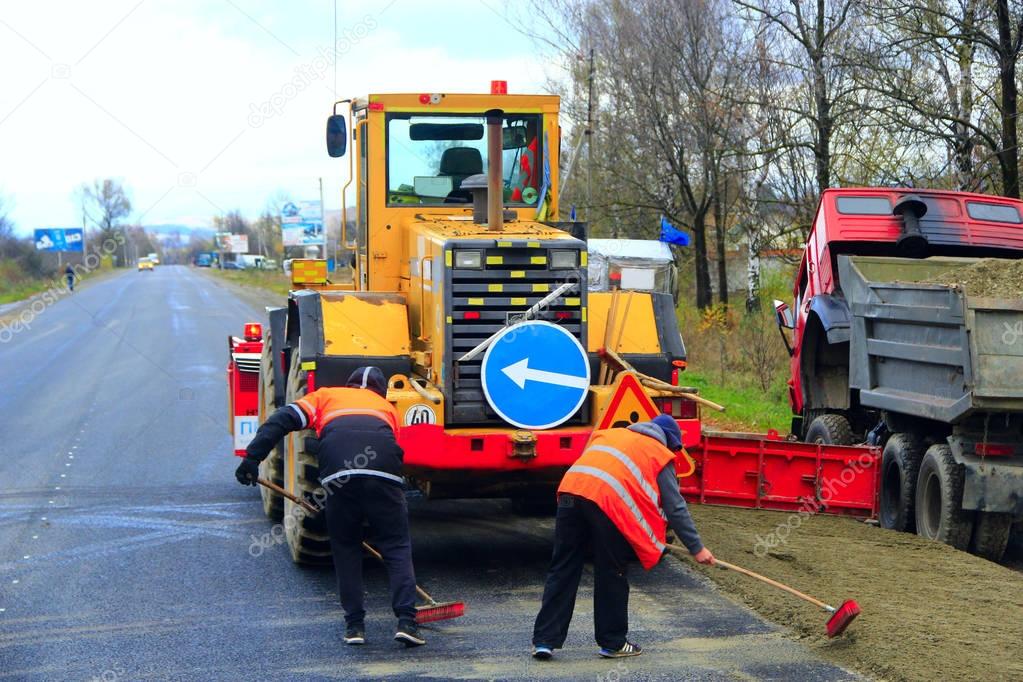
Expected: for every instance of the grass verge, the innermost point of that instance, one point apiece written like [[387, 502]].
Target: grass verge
[[273, 281], [746, 408]]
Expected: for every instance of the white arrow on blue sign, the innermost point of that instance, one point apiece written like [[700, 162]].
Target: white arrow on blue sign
[[535, 375]]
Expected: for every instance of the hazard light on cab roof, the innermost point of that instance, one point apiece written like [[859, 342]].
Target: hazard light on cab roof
[[498, 87]]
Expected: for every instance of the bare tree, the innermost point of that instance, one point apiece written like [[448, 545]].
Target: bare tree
[[105, 203]]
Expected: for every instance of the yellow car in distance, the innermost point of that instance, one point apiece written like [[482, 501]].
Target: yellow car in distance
[[145, 264]]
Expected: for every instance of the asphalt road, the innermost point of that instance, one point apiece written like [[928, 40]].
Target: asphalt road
[[126, 547]]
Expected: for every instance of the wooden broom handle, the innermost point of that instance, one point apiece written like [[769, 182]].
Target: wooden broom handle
[[745, 571], [313, 510]]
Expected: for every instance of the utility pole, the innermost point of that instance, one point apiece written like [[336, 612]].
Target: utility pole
[[589, 139], [323, 225]]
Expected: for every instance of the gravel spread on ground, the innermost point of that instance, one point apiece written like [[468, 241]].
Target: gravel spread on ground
[[930, 612]]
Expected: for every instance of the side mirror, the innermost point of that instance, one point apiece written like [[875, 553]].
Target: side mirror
[[783, 314], [337, 136]]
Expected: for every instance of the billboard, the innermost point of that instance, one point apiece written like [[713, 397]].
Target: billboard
[[232, 243], [302, 223], [60, 239]]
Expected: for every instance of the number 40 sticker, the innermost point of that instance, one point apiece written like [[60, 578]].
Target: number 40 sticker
[[420, 413]]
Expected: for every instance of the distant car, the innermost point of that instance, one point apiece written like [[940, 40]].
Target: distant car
[[233, 266], [145, 264]]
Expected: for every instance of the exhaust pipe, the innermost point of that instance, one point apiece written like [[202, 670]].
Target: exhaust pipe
[[911, 243], [495, 170]]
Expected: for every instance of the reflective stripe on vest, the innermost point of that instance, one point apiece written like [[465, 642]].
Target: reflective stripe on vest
[[655, 498], [356, 410], [361, 472], [625, 497]]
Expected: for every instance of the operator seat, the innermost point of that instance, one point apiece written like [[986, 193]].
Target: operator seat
[[459, 163]]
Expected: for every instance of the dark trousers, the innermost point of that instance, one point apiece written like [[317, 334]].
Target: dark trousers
[[382, 504], [580, 523]]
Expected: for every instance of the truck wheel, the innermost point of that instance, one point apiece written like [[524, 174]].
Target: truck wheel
[[991, 535], [271, 468], [830, 429], [900, 466], [939, 499], [306, 534]]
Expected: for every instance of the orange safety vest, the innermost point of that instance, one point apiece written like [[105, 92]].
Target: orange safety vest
[[326, 404], [618, 472]]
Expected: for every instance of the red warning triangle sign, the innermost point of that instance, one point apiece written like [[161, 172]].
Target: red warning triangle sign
[[628, 405]]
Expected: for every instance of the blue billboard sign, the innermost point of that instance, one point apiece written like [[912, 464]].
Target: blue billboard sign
[[60, 239]]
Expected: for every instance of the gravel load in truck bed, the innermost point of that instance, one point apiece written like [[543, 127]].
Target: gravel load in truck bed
[[930, 612], [990, 277]]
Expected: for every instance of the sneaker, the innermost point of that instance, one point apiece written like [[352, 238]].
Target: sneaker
[[542, 653], [355, 634], [628, 649], [408, 634]]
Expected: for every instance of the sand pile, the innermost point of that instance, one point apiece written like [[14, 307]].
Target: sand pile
[[929, 612]]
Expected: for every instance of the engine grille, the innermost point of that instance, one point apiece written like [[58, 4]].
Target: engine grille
[[511, 281]]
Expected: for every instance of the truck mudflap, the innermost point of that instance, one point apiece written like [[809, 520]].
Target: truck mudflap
[[991, 486]]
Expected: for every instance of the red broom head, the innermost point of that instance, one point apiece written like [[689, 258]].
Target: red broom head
[[441, 611], [841, 618]]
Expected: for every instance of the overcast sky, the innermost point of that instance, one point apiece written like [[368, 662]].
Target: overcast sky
[[173, 97]]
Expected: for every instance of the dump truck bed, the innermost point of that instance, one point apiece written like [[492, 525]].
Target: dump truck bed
[[928, 349]]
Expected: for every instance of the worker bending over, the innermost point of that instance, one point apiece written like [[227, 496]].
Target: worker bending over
[[619, 496], [360, 470]]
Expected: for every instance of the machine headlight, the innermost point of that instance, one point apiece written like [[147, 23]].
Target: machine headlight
[[469, 259], [563, 260]]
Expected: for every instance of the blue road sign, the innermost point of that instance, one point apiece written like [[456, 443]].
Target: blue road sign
[[59, 239], [535, 375]]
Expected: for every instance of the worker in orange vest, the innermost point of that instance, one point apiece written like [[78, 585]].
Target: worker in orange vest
[[360, 465], [619, 496]]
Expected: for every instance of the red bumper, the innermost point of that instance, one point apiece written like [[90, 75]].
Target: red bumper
[[431, 447]]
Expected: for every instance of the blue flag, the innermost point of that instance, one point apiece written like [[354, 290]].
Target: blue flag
[[673, 235], [571, 215]]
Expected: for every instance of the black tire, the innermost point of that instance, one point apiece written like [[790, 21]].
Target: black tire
[[830, 429], [271, 468], [900, 466], [306, 534], [939, 499], [991, 535]]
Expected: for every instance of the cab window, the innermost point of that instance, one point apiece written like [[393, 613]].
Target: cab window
[[429, 156]]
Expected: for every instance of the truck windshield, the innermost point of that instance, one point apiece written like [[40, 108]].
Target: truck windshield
[[428, 157]]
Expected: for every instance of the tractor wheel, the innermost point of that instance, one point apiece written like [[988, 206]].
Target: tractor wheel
[[830, 429], [939, 499], [900, 466], [306, 534], [271, 468], [991, 535]]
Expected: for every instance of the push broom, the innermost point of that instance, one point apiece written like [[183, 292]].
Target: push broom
[[429, 612], [840, 617]]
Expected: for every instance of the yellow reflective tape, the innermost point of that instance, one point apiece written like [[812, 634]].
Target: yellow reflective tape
[[541, 287], [584, 313], [518, 301], [449, 319], [571, 301], [475, 301], [495, 288], [538, 260], [533, 245], [309, 365], [517, 274], [447, 258], [495, 260], [583, 258], [503, 245]]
